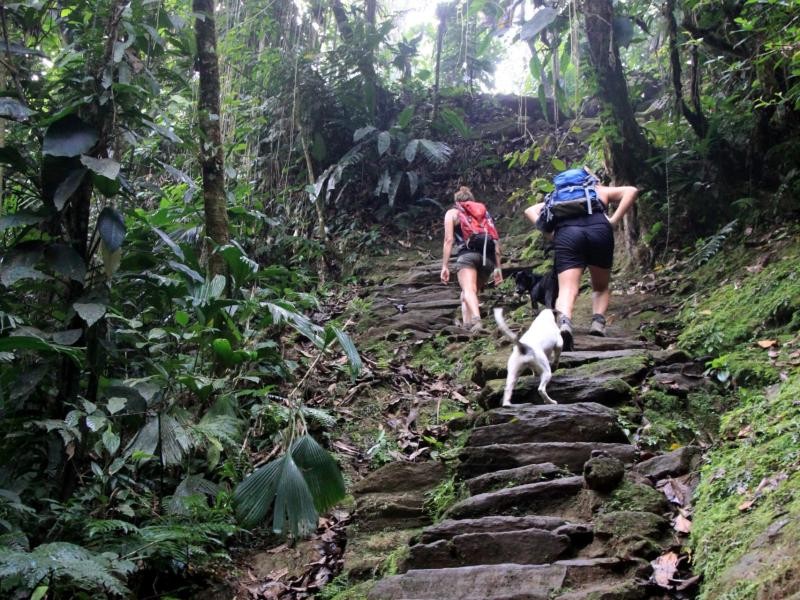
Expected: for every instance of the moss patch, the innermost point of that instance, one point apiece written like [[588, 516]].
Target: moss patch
[[754, 301], [630, 496], [751, 484], [676, 422]]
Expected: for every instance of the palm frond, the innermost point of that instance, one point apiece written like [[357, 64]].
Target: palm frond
[[436, 152], [193, 485], [294, 504], [319, 416], [320, 471], [253, 497]]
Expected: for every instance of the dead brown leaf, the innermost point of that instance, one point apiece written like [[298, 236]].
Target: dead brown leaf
[[767, 343], [664, 568], [682, 524], [745, 431], [675, 490]]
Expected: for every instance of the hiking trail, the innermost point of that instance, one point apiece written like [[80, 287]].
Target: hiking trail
[[560, 504]]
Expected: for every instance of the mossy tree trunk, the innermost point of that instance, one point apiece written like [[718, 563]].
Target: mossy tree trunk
[[211, 157], [626, 148]]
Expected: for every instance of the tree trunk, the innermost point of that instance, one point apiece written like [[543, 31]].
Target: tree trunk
[[365, 64], [441, 13], [211, 157], [694, 117], [626, 148]]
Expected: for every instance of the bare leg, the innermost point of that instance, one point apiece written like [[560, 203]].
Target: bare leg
[[468, 280], [600, 290], [568, 285]]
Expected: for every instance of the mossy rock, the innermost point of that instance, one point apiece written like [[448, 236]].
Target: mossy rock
[[379, 553], [632, 496]]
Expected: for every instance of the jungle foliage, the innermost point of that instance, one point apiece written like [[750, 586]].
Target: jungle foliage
[[146, 370]]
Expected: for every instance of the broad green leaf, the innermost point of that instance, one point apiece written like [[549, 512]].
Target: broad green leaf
[[346, 342], [395, 187], [176, 250], [362, 132], [69, 136], [67, 337], [91, 312], [223, 349], [13, 109], [111, 227], [182, 318], [383, 183], [65, 260], [111, 441], [115, 404], [194, 275], [455, 121], [19, 219], [96, 421], [413, 182], [111, 259], [384, 141], [410, 152], [404, 118], [14, 273], [623, 31], [558, 164], [536, 24], [68, 187], [104, 167]]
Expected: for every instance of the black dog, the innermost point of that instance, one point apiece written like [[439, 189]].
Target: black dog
[[542, 289]]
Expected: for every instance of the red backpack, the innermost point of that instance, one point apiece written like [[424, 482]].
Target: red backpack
[[477, 227]]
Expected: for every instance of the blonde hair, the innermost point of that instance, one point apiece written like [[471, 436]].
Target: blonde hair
[[463, 194]]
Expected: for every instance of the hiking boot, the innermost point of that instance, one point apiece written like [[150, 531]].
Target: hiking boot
[[598, 327], [565, 327], [476, 327]]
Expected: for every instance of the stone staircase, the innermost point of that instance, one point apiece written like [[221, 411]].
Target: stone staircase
[[556, 510]]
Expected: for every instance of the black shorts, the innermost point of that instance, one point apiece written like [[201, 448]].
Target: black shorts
[[579, 246]]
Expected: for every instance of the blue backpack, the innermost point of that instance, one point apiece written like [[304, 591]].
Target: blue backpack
[[574, 195]]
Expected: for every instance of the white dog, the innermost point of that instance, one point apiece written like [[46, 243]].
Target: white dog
[[541, 343]]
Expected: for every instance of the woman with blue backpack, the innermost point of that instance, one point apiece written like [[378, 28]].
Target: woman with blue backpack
[[576, 215]]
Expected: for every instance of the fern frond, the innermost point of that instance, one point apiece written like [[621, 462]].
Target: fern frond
[[437, 153]]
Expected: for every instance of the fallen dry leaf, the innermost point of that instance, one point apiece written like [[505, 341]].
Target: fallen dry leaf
[[745, 431], [746, 505], [682, 524], [767, 343], [664, 568]]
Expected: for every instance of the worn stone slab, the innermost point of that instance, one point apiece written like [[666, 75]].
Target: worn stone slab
[[546, 497], [449, 528], [401, 477], [401, 510], [477, 460], [493, 366], [518, 476], [581, 422], [528, 546], [483, 582], [673, 464], [564, 389], [621, 590]]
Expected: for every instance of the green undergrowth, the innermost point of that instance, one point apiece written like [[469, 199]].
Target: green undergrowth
[[750, 484], [744, 317], [744, 302], [676, 421]]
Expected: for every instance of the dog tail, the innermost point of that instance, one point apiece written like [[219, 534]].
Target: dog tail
[[501, 324]]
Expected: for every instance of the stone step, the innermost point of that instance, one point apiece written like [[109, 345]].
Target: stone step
[[527, 546], [449, 528], [494, 582], [477, 460], [564, 389], [493, 366], [518, 476], [629, 589], [555, 498], [582, 422]]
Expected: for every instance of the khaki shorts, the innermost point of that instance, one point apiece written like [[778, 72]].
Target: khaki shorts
[[474, 260]]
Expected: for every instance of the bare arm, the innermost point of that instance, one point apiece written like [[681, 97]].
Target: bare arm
[[623, 196], [447, 246], [533, 212]]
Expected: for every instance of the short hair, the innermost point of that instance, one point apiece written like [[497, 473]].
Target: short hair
[[463, 194]]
